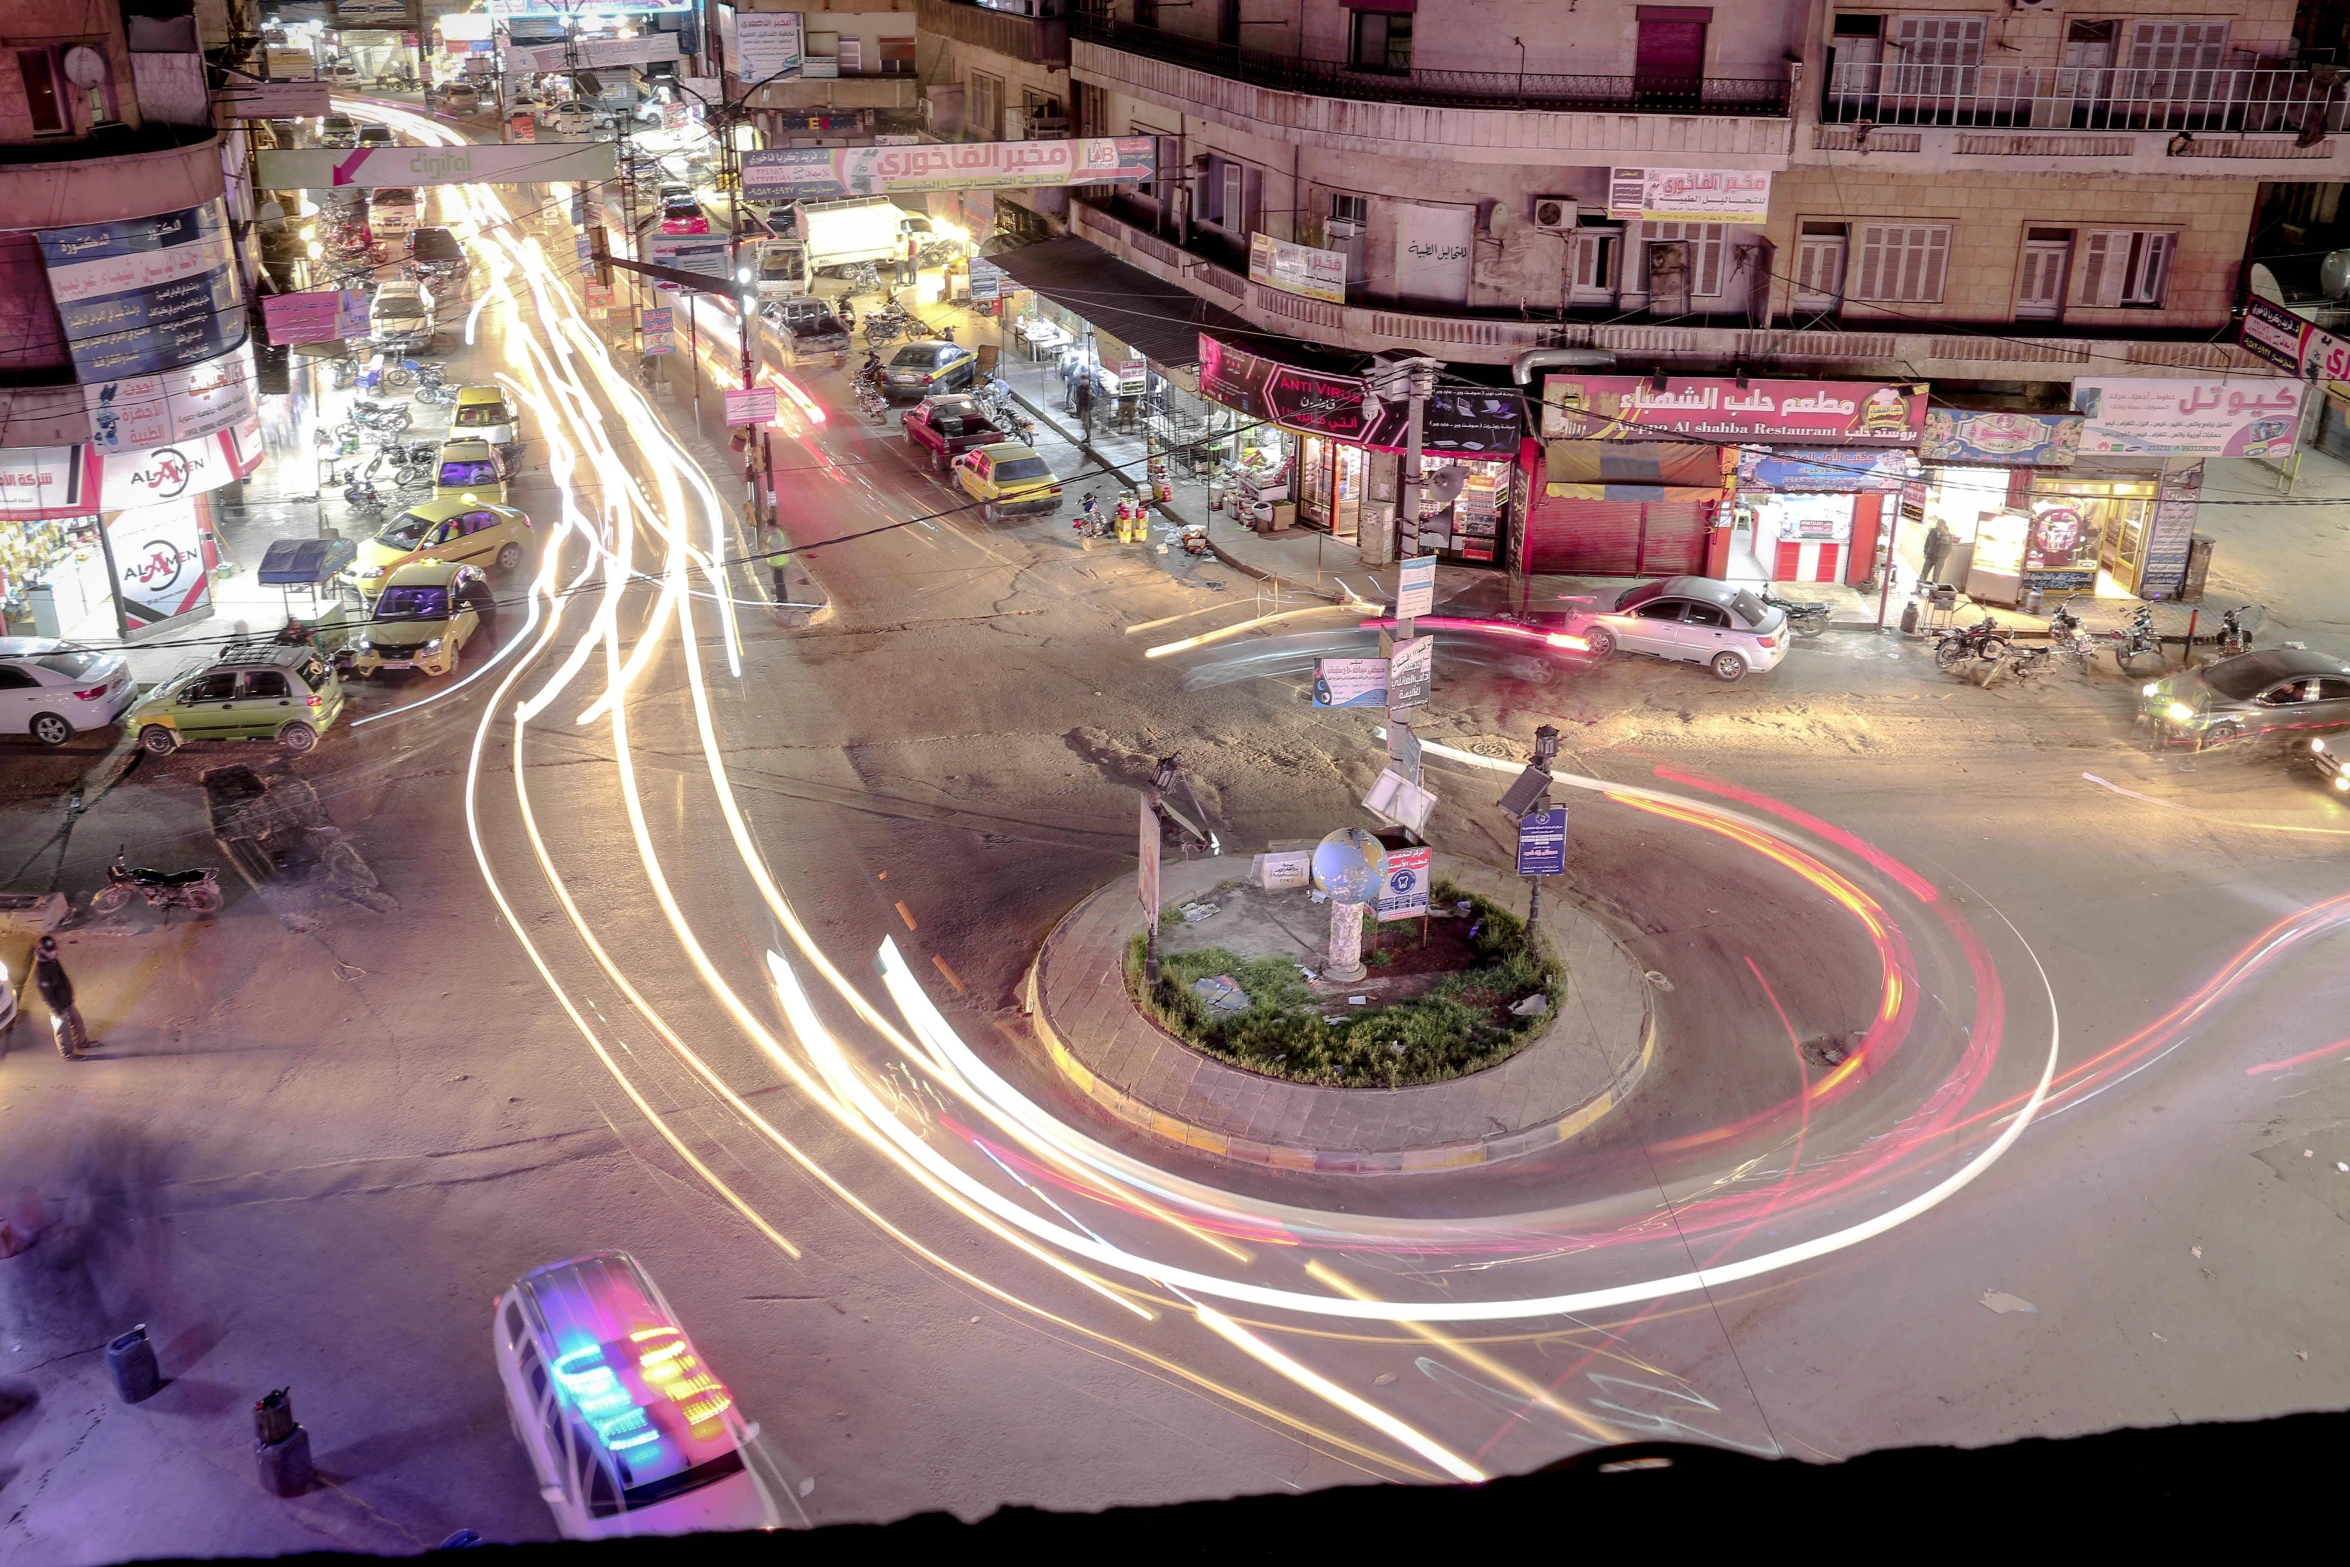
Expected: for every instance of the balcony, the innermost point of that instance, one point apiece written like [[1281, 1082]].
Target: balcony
[[1475, 116], [1036, 40], [115, 174], [1708, 344], [2244, 124]]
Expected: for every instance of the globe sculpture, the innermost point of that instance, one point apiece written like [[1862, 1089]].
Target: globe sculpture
[[1349, 866]]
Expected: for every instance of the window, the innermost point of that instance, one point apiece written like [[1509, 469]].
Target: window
[[513, 1323], [1233, 204], [897, 56], [1662, 609], [1349, 209], [260, 683], [2039, 284], [477, 521], [220, 686], [1708, 615], [1819, 266], [1669, 54], [1936, 54], [1902, 263], [987, 102], [1382, 42], [42, 98], [2126, 267], [1705, 242], [15, 679], [1594, 265]]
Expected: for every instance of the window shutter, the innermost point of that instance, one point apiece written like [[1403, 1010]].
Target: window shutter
[[1872, 258], [2103, 255], [1937, 256], [2150, 268], [1233, 202], [1807, 268], [1707, 278]]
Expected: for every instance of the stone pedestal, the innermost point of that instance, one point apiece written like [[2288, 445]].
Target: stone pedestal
[[1346, 943]]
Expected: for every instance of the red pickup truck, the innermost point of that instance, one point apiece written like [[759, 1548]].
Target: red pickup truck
[[947, 427]]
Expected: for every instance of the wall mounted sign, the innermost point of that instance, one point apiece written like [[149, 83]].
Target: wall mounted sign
[[823, 173], [1820, 413], [1690, 195], [2186, 416], [2000, 438]]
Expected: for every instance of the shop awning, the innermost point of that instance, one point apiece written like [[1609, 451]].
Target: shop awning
[[1634, 470], [294, 561], [1160, 321]]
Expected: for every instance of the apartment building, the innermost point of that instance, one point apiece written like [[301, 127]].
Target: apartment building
[[127, 401], [840, 75], [1997, 201]]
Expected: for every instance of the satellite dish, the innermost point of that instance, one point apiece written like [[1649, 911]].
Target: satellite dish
[[85, 66], [2334, 275], [2264, 284]]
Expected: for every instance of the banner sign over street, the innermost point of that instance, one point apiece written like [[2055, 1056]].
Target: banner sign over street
[[2184, 416], [326, 168], [1690, 195], [1297, 269], [564, 10], [2289, 342], [594, 53], [1819, 413], [145, 294], [821, 173], [273, 100]]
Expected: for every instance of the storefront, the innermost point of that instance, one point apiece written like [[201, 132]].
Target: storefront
[[1326, 444], [1654, 476]]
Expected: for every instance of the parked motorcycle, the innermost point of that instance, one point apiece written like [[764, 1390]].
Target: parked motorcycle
[[2136, 639], [1964, 644], [1091, 522], [197, 889], [1803, 616], [2233, 638], [2067, 640]]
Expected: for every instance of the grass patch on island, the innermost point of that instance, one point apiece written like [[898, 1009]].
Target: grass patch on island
[[1461, 1024]]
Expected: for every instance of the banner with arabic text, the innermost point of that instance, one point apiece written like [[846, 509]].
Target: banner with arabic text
[[1817, 413], [824, 173], [2186, 416]]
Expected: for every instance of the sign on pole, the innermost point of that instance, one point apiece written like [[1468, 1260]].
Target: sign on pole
[[1404, 896], [1146, 878], [1403, 749], [294, 100], [654, 324], [1411, 672], [1415, 590], [756, 406], [1350, 682], [1542, 843]]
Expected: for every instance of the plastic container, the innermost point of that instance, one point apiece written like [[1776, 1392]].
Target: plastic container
[[131, 1360]]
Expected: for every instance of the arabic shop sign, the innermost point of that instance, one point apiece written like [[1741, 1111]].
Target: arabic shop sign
[[158, 554], [2241, 416], [1690, 195], [822, 173], [2001, 439], [2290, 343], [324, 168], [178, 405], [1297, 269], [145, 294], [1818, 413], [1462, 423]]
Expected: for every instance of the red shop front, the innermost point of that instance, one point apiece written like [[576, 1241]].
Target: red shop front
[[1616, 508]]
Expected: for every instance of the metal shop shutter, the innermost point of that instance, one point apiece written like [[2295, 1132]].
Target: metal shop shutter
[[1672, 539], [1584, 538]]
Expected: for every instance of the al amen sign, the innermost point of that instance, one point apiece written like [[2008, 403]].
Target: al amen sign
[[159, 575]]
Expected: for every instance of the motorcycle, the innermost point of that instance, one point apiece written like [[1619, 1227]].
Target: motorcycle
[[2233, 638], [362, 496], [198, 889], [1964, 644], [1091, 523], [2136, 639], [1803, 616], [2067, 640]]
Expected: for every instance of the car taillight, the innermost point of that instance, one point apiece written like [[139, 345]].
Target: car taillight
[[316, 701], [1768, 641], [92, 694], [1568, 640]]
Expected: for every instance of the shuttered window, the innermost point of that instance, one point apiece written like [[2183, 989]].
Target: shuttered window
[[2168, 62], [2126, 266], [1705, 242], [1940, 40], [1902, 263]]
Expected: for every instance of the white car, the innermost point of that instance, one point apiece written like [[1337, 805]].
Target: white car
[[628, 1430], [53, 690], [567, 120], [400, 317], [1726, 627]]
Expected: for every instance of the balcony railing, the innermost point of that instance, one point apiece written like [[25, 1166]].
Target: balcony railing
[[1037, 40], [1440, 89], [2051, 97]]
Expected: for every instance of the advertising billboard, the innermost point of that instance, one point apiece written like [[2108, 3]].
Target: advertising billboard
[[1297, 269], [1466, 423], [159, 575], [2188, 416], [327, 168], [178, 405], [145, 294], [1690, 195], [1818, 413]]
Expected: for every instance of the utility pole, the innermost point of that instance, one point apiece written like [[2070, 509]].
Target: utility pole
[[1546, 746]]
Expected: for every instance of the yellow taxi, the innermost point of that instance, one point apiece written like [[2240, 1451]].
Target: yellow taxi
[[470, 471], [1008, 480], [423, 618], [482, 413], [475, 533]]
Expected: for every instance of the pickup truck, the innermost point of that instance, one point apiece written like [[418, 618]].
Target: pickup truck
[[803, 330], [947, 427]]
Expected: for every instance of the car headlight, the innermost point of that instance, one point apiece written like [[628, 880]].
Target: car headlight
[[434, 646], [2150, 687], [2178, 712], [370, 573], [2342, 781], [2317, 745]]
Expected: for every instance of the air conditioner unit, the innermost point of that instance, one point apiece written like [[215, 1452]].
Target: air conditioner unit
[[1338, 229], [1554, 214]]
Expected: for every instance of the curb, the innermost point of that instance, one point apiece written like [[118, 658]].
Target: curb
[[1288, 584], [1300, 1157]]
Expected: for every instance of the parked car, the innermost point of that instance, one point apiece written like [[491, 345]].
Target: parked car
[[1726, 627], [478, 533], [392, 209], [400, 317], [627, 1428], [460, 98], [483, 411], [947, 427], [1008, 479], [427, 612], [338, 130], [342, 73], [2275, 691], [54, 690], [928, 365], [805, 329], [470, 470], [688, 219], [568, 119], [435, 256], [377, 136], [252, 691]]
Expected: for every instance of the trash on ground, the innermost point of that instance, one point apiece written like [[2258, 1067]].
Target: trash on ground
[[1193, 913], [2003, 1303], [1221, 993], [1533, 1006]]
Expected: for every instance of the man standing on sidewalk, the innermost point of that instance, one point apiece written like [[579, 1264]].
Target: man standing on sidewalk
[[778, 550], [65, 1019], [909, 260]]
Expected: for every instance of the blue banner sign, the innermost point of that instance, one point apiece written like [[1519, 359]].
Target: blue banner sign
[[1542, 842]]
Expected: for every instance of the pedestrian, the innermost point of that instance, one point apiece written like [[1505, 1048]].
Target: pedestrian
[[909, 259], [778, 561], [1085, 403], [65, 1019], [1937, 550]]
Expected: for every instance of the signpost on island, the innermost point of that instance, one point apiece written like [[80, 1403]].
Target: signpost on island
[[1542, 827]]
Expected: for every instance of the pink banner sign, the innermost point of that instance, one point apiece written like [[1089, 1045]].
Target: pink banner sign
[[1817, 413]]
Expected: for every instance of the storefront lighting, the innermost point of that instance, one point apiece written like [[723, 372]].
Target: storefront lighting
[[316, 250], [2317, 745]]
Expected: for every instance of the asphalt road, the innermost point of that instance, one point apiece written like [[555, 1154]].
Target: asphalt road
[[320, 1138]]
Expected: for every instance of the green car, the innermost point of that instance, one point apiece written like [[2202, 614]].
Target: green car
[[252, 691]]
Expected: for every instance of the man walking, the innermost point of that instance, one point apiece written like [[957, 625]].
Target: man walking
[[1937, 550], [65, 1019], [778, 561]]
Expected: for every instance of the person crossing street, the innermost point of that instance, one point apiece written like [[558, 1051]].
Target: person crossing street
[[56, 987]]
